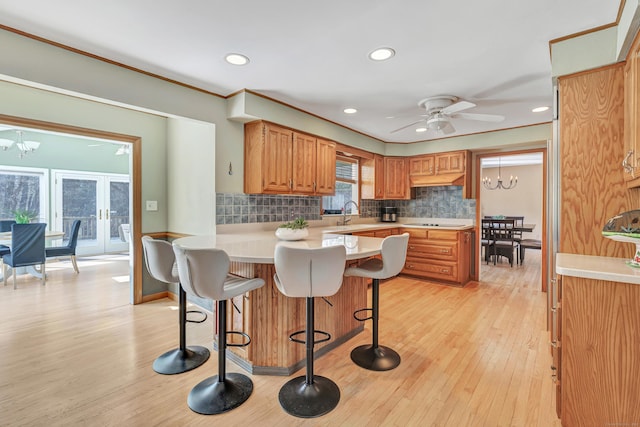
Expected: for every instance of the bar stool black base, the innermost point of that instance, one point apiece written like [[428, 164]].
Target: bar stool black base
[[304, 400], [212, 396], [177, 361], [380, 358]]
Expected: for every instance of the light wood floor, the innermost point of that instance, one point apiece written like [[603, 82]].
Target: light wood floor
[[75, 353]]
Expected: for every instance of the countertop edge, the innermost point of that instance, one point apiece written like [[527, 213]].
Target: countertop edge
[[597, 268]]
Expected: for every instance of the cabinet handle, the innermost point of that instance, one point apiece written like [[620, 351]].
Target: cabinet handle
[[444, 251], [106, 214], [100, 214], [314, 186], [625, 164], [291, 183], [554, 344], [554, 309]]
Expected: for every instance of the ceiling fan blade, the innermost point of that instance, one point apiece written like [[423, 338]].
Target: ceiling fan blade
[[481, 117], [458, 106], [407, 126]]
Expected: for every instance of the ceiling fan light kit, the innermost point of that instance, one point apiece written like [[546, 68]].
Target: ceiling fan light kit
[[441, 109]]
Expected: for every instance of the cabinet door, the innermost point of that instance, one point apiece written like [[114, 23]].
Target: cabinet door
[[378, 182], [304, 163], [421, 166], [396, 179], [325, 167], [277, 160], [450, 162]]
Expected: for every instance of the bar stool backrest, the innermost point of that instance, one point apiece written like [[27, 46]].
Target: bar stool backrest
[[394, 254], [160, 260], [309, 272], [203, 272]]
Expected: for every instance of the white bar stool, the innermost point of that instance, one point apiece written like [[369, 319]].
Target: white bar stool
[[205, 273], [161, 264], [376, 357], [308, 273]]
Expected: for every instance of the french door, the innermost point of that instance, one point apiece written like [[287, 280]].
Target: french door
[[101, 202]]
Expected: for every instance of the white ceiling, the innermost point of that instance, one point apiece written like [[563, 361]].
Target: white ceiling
[[313, 55]]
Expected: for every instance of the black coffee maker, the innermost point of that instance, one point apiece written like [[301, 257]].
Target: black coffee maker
[[388, 214]]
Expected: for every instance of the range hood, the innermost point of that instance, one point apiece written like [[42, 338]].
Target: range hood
[[435, 180]]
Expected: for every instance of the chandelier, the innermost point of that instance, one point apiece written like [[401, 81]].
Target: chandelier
[[24, 147], [486, 181]]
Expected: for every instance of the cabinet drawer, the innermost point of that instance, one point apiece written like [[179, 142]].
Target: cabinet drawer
[[442, 235], [427, 249], [435, 269], [419, 233]]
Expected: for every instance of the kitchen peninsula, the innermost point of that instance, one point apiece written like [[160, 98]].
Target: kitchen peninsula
[[269, 317]]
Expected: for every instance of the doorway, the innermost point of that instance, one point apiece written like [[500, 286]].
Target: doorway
[[526, 198], [100, 201]]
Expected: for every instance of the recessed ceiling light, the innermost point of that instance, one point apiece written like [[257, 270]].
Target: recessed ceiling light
[[236, 59], [381, 54], [350, 110], [540, 109], [421, 129]]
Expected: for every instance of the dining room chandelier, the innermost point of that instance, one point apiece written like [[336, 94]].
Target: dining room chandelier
[[24, 147], [513, 181]]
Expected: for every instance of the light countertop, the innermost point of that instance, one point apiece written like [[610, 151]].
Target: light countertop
[[258, 246], [597, 267]]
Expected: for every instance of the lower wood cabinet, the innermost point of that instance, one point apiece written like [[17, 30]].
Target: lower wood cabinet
[[596, 354], [443, 255]]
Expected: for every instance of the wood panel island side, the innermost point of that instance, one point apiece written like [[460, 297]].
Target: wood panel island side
[[269, 317]]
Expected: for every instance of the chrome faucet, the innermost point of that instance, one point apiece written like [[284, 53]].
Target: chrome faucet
[[345, 221]]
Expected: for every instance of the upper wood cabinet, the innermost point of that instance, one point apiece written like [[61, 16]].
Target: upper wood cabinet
[[451, 162], [372, 178], [396, 178], [449, 168], [280, 161], [422, 165]]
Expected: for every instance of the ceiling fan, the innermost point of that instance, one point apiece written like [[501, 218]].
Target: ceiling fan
[[441, 109]]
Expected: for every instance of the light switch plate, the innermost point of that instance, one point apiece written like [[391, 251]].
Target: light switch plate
[[152, 205]]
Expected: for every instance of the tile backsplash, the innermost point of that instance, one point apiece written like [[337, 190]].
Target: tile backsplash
[[430, 202], [234, 208]]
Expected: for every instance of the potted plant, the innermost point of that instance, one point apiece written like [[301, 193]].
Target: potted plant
[[24, 216], [293, 230]]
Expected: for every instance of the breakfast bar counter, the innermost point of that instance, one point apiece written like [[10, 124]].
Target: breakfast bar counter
[[269, 317]]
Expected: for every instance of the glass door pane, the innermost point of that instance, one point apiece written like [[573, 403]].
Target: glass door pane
[[77, 197], [118, 214]]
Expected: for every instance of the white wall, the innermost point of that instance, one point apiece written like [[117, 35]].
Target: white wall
[[523, 200], [191, 176]]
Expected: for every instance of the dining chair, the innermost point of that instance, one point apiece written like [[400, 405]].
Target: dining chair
[[518, 223], [69, 249], [487, 238], [27, 248], [504, 243], [5, 225]]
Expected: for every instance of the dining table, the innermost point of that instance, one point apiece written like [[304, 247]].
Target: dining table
[[50, 237], [268, 316], [525, 228]]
